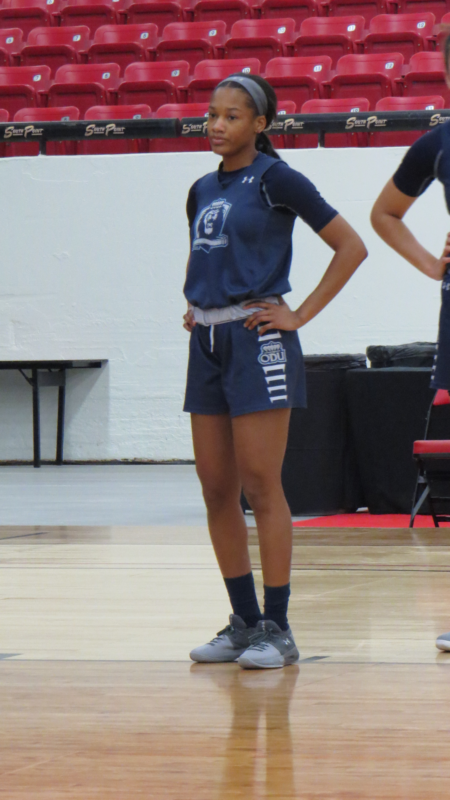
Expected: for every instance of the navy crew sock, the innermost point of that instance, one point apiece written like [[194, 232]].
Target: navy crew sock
[[276, 599], [243, 599]]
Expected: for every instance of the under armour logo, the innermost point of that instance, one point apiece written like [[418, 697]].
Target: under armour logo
[[250, 180]]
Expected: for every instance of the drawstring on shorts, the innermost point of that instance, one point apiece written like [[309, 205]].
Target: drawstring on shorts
[[211, 337]]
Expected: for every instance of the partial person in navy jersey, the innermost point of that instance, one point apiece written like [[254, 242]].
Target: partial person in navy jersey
[[245, 369], [428, 158]]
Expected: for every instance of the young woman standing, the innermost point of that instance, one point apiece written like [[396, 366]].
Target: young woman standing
[[245, 368], [428, 158]]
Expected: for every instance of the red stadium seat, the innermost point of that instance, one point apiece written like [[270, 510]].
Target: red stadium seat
[[432, 457], [123, 44], [230, 11], [92, 13], [22, 87], [28, 14], [207, 74], [282, 140], [55, 46], [106, 146], [4, 117], [176, 145], [330, 36], [346, 8], [350, 105], [402, 33], [155, 83], [298, 79], [426, 76], [159, 12], [436, 7], [370, 75], [298, 10], [30, 148], [84, 85], [402, 138], [260, 38], [191, 41], [11, 43]]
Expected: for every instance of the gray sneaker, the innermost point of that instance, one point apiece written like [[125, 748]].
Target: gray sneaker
[[443, 642], [227, 645], [270, 648]]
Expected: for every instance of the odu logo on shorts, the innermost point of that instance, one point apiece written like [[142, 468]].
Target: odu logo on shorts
[[272, 353], [209, 226]]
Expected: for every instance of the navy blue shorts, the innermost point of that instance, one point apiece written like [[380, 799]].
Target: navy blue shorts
[[235, 371], [440, 378]]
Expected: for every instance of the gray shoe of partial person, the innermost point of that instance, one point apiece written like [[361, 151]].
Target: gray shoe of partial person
[[227, 645], [443, 642], [270, 648]]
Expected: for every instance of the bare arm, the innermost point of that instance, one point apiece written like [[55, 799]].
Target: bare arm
[[387, 219], [349, 253]]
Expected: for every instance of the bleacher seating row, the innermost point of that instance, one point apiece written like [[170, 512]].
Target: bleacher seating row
[[296, 80], [33, 13], [375, 138]]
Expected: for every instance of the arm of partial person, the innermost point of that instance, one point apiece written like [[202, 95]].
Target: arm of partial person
[[387, 220]]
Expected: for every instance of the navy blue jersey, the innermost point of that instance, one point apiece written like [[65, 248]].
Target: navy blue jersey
[[426, 159], [241, 226]]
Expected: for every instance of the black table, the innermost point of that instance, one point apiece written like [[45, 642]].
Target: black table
[[49, 373], [388, 409]]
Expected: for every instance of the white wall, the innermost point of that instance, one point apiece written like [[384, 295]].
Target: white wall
[[93, 260]]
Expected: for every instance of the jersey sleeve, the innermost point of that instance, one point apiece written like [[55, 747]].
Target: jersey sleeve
[[418, 168], [284, 187], [191, 204]]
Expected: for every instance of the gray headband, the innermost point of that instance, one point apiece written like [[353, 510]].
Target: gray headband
[[254, 89]]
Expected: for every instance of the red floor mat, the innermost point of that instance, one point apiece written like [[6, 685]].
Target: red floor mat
[[363, 520]]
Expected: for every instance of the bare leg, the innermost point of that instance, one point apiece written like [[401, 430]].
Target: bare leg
[[221, 484], [259, 445]]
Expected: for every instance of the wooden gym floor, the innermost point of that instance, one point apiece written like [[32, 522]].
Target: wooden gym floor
[[99, 701]]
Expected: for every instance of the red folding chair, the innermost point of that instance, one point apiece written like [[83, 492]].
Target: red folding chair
[[371, 75], [109, 146], [84, 85], [92, 13], [350, 105], [298, 10], [280, 141], [180, 110], [4, 117], [402, 138], [433, 475], [156, 83], [207, 74], [331, 36], [11, 43], [27, 147], [230, 11], [123, 44], [298, 79], [346, 8], [55, 47], [158, 12], [436, 7], [29, 14], [22, 87], [263, 39], [191, 41], [426, 76], [402, 33]]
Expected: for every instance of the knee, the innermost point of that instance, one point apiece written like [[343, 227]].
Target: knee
[[218, 492], [261, 491]]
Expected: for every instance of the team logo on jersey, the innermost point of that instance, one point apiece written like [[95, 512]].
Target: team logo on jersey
[[272, 353], [209, 226]]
